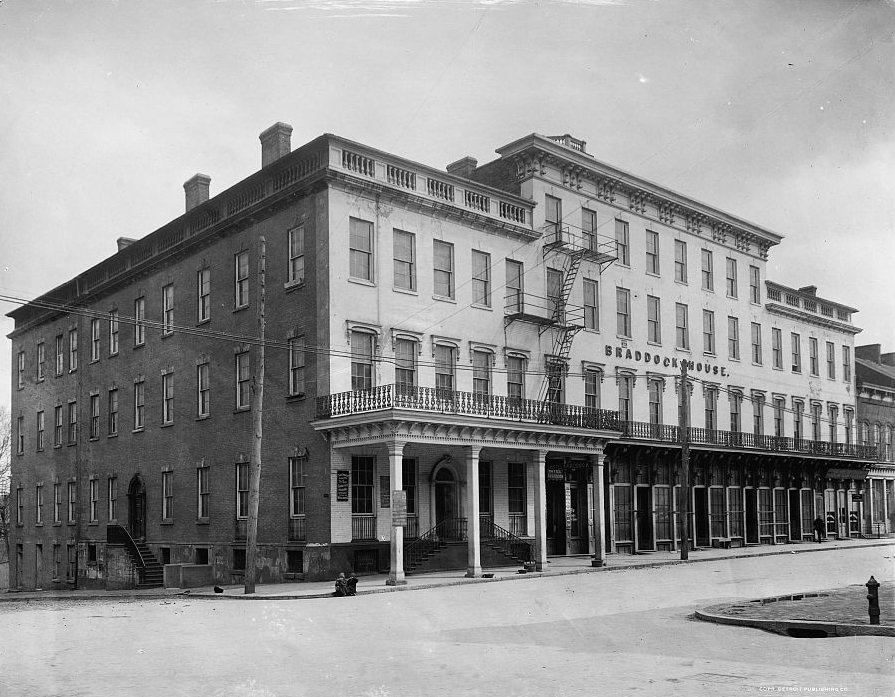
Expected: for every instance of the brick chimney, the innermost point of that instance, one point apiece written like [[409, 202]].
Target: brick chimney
[[888, 359], [808, 290], [124, 242], [464, 167], [196, 190], [275, 142], [869, 352]]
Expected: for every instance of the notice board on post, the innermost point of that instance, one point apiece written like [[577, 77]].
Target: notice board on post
[[343, 482], [399, 508]]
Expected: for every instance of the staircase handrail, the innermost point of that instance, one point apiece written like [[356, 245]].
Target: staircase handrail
[[432, 539], [118, 534], [508, 542]]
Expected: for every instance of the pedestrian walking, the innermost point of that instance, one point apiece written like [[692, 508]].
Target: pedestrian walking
[[819, 529]]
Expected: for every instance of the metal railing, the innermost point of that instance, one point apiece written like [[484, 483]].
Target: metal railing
[[118, 535], [440, 401], [428, 543], [505, 541], [363, 527]]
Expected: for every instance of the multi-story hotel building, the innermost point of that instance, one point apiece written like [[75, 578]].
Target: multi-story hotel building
[[501, 343]]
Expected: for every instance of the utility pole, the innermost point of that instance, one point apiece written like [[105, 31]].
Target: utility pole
[[255, 462], [684, 416]]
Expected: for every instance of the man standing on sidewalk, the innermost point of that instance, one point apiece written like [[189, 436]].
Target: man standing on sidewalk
[[819, 526]]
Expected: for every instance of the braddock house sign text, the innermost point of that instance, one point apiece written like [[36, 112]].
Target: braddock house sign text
[[664, 361]]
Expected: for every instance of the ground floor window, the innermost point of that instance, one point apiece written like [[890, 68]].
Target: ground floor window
[[516, 498], [765, 513], [664, 513], [807, 500], [781, 513], [735, 511], [624, 510], [362, 485], [717, 512]]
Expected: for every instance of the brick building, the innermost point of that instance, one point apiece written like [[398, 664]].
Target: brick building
[[500, 343]]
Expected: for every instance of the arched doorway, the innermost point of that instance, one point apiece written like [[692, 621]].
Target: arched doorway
[[136, 508], [446, 500]]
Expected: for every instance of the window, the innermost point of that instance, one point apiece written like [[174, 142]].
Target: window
[[756, 343], [405, 260], [736, 406], [41, 361], [623, 312], [72, 423], [622, 243], [168, 309], [168, 398], [20, 370], [360, 253], [113, 333], [731, 278], [405, 364], [555, 305], [708, 273], [295, 239], [708, 331], [516, 488], [93, 487], [297, 366], [445, 360], [443, 268], [167, 495], [592, 389], [203, 295], [796, 353], [591, 306], [834, 417], [755, 285], [242, 490], [515, 377], [653, 323], [20, 435], [40, 430], [39, 504], [777, 348], [241, 288], [361, 361], [481, 278], [113, 498], [72, 350], [779, 407], [72, 501], [556, 374], [849, 415], [798, 409], [553, 214], [813, 365], [139, 321], [758, 414], [846, 363], [831, 360], [94, 339], [297, 483], [362, 468], [203, 390], [652, 252], [60, 355], [57, 503], [655, 401], [481, 373], [682, 329], [20, 509], [57, 430], [203, 496], [94, 416], [589, 229], [139, 405], [680, 261], [243, 377], [625, 393], [815, 421], [514, 288], [733, 338]]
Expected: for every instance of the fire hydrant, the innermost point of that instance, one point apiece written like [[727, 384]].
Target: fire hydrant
[[873, 600]]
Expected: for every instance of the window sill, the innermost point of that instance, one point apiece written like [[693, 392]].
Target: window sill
[[292, 285], [93, 439], [406, 291], [139, 430], [57, 524], [203, 417], [40, 379], [299, 397], [39, 450], [167, 424], [731, 358], [166, 521], [140, 345], [710, 354], [95, 360], [240, 308], [242, 410], [444, 299], [654, 274], [202, 521], [39, 524], [681, 283], [361, 282], [57, 446], [682, 349], [92, 523], [112, 355], [207, 320], [654, 343], [592, 331], [112, 435], [166, 335], [622, 337], [482, 307]]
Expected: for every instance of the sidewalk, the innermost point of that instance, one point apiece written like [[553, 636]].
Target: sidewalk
[[556, 566]]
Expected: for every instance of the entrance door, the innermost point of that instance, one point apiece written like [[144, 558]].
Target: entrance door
[[752, 517], [795, 516], [136, 498], [577, 502], [702, 516], [556, 518], [842, 505], [446, 505], [643, 515]]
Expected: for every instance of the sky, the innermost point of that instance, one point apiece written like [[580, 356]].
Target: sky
[[778, 112]]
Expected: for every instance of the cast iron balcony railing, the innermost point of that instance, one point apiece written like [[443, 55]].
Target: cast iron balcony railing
[[638, 430], [440, 401]]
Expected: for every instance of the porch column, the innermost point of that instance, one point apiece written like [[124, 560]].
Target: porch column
[[598, 513], [540, 457], [396, 479], [473, 525]]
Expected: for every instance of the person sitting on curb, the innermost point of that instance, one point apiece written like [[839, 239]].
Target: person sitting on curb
[[341, 586], [351, 584]]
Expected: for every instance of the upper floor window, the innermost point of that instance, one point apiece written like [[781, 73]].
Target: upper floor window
[[405, 259], [555, 306], [733, 338], [711, 408], [168, 309], [514, 286], [20, 435], [72, 350], [756, 343], [203, 295], [798, 410], [833, 418], [813, 361], [708, 331], [589, 229], [295, 271], [831, 360], [20, 370], [849, 416], [553, 214], [94, 339], [736, 409], [361, 361], [846, 363], [445, 363], [623, 312], [680, 261], [113, 332], [481, 278], [515, 377], [708, 273], [625, 397], [242, 490], [405, 363], [777, 348], [203, 390], [72, 423], [139, 405], [654, 387], [41, 361], [779, 408], [652, 252], [243, 380], [591, 304], [241, 280], [622, 243], [443, 265], [653, 321], [682, 327], [758, 414], [203, 494], [139, 321], [113, 412], [592, 388], [361, 249], [556, 382], [168, 398], [755, 285], [297, 366], [815, 421], [297, 484], [57, 426], [731, 278], [94, 416], [60, 355], [481, 373], [41, 425], [796, 342]]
